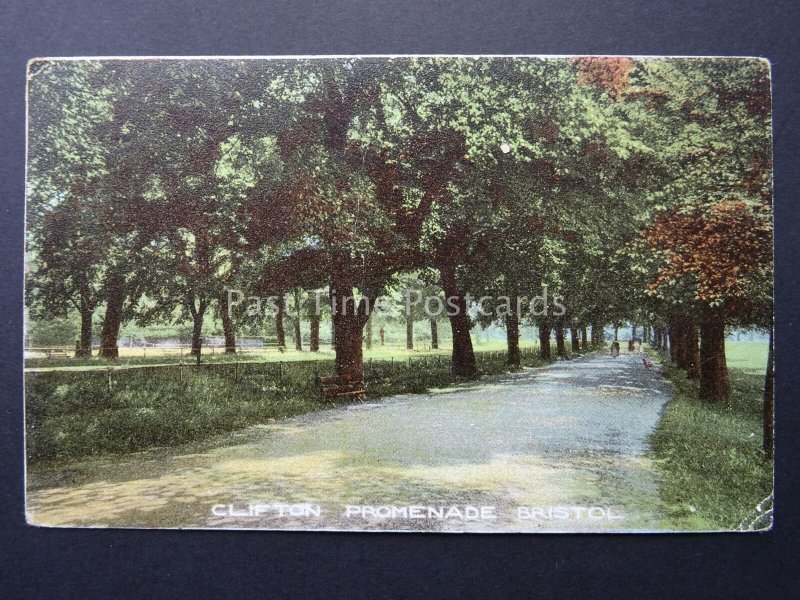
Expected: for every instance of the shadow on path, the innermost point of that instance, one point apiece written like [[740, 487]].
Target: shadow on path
[[570, 435]]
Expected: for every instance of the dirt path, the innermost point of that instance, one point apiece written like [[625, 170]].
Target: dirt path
[[554, 449]]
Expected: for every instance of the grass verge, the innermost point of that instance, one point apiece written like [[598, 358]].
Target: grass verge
[[71, 415], [714, 471]]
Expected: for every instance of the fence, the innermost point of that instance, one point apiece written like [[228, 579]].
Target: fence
[[152, 351], [211, 347], [296, 373], [207, 350]]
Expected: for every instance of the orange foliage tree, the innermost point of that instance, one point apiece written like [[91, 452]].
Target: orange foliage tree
[[724, 250]]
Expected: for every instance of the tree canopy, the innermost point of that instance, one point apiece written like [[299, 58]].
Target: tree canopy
[[635, 189]]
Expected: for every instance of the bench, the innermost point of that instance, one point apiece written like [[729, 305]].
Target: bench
[[337, 387], [56, 352]]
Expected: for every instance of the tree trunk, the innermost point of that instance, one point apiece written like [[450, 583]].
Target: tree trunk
[[769, 399], [84, 348], [544, 340], [434, 335], [561, 347], [314, 336], [713, 366], [576, 342], [280, 332], [597, 335], [684, 350], [672, 336], [368, 337], [682, 343], [464, 364], [584, 338], [634, 327], [692, 350], [227, 324], [197, 312], [197, 332], [349, 320], [349, 346], [616, 332], [115, 299], [512, 338], [298, 336], [409, 332]]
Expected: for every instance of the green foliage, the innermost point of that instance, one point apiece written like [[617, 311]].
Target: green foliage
[[51, 332], [190, 176]]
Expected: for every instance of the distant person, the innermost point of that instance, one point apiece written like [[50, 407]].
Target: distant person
[[382, 333], [615, 348], [631, 346]]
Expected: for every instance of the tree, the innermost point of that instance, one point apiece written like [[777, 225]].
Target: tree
[[717, 247], [192, 195], [338, 198], [637, 190], [68, 110]]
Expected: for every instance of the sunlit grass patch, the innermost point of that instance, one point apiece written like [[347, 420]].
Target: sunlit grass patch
[[747, 356]]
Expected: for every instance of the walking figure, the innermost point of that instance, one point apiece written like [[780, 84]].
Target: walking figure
[[615, 348], [382, 333]]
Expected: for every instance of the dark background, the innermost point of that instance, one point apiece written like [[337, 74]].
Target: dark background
[[116, 563]]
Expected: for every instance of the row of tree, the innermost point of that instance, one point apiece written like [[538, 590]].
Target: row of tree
[[637, 190]]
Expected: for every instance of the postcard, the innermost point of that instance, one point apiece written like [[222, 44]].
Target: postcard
[[500, 294]]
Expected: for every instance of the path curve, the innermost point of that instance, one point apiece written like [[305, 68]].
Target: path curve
[[560, 448]]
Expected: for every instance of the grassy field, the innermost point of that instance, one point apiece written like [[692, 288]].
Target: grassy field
[[750, 357], [70, 414], [151, 356], [714, 470]]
